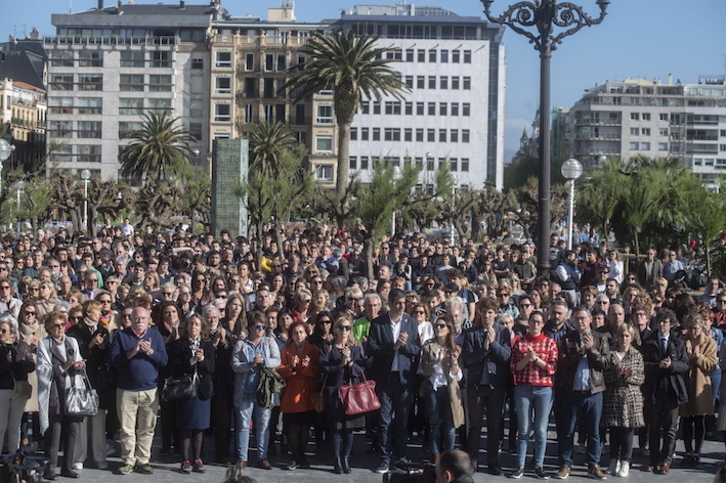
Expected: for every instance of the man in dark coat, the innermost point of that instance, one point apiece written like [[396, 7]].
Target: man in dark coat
[[665, 359]]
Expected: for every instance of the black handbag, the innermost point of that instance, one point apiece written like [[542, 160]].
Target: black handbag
[[81, 401], [179, 388]]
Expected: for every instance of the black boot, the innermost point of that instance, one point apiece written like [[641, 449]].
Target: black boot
[[346, 465], [337, 468]]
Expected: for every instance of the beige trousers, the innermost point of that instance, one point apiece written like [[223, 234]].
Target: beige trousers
[[137, 414]]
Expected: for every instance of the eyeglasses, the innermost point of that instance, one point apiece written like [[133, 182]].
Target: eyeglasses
[[94, 280], [419, 312], [59, 326], [168, 294], [502, 295], [317, 282], [125, 316], [326, 321], [344, 327], [525, 306], [5, 287], [306, 301], [105, 301], [440, 326], [260, 327], [3, 268], [111, 281]]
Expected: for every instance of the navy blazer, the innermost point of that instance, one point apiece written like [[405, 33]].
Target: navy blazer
[[490, 365], [380, 347], [660, 382]]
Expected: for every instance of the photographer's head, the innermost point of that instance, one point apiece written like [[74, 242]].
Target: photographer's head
[[454, 466]]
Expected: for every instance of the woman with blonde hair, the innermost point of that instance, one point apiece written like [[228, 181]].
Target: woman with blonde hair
[[701, 350], [47, 298]]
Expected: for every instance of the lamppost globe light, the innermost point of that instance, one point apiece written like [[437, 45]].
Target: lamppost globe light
[[571, 169], [85, 174], [602, 159], [6, 149]]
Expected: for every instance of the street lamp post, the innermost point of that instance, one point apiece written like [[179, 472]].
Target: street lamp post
[[86, 176], [396, 176], [571, 170], [544, 16], [19, 186], [6, 150]]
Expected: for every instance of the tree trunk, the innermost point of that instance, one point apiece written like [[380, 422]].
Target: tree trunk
[[278, 238], [368, 248], [341, 179], [637, 243], [708, 259]]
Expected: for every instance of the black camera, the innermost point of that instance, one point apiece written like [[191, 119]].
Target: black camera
[[412, 473], [23, 466]]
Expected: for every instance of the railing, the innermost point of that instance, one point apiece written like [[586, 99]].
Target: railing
[[171, 40], [261, 40]]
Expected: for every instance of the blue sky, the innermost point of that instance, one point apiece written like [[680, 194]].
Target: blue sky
[[639, 38]]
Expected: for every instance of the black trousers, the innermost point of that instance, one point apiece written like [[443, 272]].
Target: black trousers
[[491, 400], [66, 427], [663, 414]]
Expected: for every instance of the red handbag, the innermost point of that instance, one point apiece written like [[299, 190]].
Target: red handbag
[[359, 398]]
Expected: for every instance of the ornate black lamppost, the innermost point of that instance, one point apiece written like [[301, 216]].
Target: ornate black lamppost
[[544, 16]]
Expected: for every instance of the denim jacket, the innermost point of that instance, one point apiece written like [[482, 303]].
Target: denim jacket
[[242, 357]]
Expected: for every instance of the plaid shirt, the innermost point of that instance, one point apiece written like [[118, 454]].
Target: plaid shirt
[[532, 375]]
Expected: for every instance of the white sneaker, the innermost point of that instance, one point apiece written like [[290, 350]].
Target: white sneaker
[[613, 467], [624, 470], [77, 466]]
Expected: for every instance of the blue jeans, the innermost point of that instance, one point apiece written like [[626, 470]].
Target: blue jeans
[[438, 411], [262, 427], [528, 399], [589, 407]]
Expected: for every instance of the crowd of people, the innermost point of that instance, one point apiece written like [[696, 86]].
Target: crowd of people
[[456, 337]]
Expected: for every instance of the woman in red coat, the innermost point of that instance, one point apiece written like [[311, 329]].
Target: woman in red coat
[[300, 369]]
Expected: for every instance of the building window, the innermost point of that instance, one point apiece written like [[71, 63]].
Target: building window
[[324, 172], [444, 56], [664, 146], [195, 130], [60, 129], [408, 134], [324, 144], [354, 134], [431, 135], [393, 108], [432, 109], [159, 83], [419, 108], [465, 165], [419, 163], [645, 131], [127, 128], [467, 83], [281, 62], [455, 56], [90, 58], [645, 116], [454, 164], [419, 135], [270, 62], [442, 135], [197, 63], [365, 107], [222, 85], [89, 105], [392, 134], [645, 146], [443, 109], [663, 117], [409, 55], [454, 136], [364, 162], [196, 108], [223, 59], [455, 83], [160, 59], [634, 131], [61, 58], [299, 113], [467, 56], [131, 107], [430, 164], [464, 135], [155, 104], [420, 82], [376, 134], [466, 109], [409, 81], [454, 108], [132, 58], [364, 131], [444, 82], [376, 107], [432, 55], [90, 82], [249, 110], [353, 162], [88, 153], [421, 55], [432, 82], [222, 112], [408, 108], [634, 146], [89, 129], [634, 116], [249, 62], [325, 114]]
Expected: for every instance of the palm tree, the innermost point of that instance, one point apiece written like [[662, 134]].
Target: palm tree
[[353, 67], [267, 142], [159, 149]]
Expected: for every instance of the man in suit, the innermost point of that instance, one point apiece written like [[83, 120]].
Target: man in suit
[[486, 352], [583, 358], [650, 269], [665, 359], [394, 344]]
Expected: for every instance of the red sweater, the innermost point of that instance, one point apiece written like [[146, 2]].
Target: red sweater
[[532, 374]]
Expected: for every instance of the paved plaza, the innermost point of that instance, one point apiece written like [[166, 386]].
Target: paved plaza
[[167, 468]]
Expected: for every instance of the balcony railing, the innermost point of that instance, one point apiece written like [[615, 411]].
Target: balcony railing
[[77, 40], [261, 40]]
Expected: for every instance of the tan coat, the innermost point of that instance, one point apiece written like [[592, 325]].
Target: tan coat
[[697, 379], [26, 333], [429, 353]]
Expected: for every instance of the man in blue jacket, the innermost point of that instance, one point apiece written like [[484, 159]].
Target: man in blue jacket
[[137, 353], [394, 344], [486, 352]]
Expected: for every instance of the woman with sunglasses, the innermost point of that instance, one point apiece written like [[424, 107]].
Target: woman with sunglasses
[[59, 361], [249, 356], [201, 295], [342, 363], [533, 365], [300, 369], [30, 331], [444, 407], [300, 311]]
